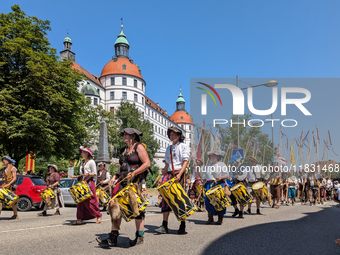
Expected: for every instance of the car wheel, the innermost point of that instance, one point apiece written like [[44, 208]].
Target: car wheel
[[24, 204]]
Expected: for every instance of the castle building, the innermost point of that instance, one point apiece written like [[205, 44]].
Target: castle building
[[120, 79]]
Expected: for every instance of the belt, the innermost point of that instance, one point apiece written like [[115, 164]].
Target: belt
[[211, 181]]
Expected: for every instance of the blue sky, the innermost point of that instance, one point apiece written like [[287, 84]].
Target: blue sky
[[173, 41]]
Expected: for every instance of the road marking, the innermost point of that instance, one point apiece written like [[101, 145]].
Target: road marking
[[52, 226]]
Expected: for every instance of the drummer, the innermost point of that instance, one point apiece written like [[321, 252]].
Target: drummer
[[212, 177], [176, 161], [52, 182], [89, 208], [194, 184], [134, 163], [238, 175], [9, 174], [254, 174], [103, 177]]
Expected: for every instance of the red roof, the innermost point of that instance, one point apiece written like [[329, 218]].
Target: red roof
[[89, 75], [155, 106], [113, 67], [182, 117]]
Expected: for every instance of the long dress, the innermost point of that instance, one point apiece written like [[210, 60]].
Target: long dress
[[89, 209]]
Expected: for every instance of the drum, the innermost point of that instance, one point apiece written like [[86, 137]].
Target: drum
[[48, 192], [217, 198], [103, 197], [7, 198], [241, 194], [174, 195], [261, 191], [124, 202], [80, 192]]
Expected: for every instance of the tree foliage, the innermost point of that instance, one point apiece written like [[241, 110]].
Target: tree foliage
[[41, 108]]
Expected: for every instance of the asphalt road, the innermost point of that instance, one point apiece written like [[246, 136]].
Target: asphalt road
[[298, 229]]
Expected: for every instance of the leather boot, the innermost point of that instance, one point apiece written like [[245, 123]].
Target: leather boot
[[237, 211], [112, 240], [138, 240], [210, 219], [220, 219]]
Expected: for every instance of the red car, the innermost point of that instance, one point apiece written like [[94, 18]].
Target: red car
[[29, 188]]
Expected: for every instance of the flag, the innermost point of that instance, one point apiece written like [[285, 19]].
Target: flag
[[30, 162], [292, 158], [329, 136], [334, 152], [269, 146], [317, 135], [313, 139], [297, 142], [304, 139], [287, 145], [282, 134]]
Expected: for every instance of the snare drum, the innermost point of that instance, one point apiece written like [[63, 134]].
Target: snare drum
[[174, 195], [241, 194], [124, 202], [48, 192], [261, 191], [7, 198], [80, 192], [217, 198], [103, 197]]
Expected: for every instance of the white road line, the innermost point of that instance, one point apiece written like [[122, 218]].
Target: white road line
[[52, 226]]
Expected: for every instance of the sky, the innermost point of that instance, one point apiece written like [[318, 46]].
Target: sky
[[174, 41]]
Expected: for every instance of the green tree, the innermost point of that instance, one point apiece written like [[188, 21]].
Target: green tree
[[127, 115], [41, 108]]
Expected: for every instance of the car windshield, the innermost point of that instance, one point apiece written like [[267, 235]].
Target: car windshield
[[67, 183], [38, 181]]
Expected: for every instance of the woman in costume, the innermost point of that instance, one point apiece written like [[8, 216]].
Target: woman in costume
[[176, 160], [103, 177], [134, 163], [213, 176], [52, 182], [9, 176], [89, 208]]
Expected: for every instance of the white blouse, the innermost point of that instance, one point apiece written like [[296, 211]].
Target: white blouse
[[180, 153], [214, 171], [89, 167]]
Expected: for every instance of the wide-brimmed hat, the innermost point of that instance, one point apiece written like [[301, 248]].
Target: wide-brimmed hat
[[54, 166], [83, 148], [252, 159], [235, 158], [216, 152], [132, 131], [101, 163], [12, 161], [177, 131]]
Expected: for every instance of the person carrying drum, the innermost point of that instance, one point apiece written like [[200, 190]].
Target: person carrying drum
[[254, 174], [312, 186], [52, 182], [9, 176], [213, 176], [89, 208], [176, 160], [196, 190], [238, 175], [134, 163], [275, 182], [103, 177]]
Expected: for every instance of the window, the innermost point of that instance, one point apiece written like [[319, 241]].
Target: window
[[148, 111], [152, 114], [142, 87], [189, 127], [112, 95], [162, 143], [181, 117], [112, 110], [135, 97], [159, 130], [142, 100], [182, 126], [135, 83], [124, 66], [124, 96], [124, 80], [95, 101], [189, 136], [112, 80]]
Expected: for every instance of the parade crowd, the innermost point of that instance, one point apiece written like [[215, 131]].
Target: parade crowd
[[122, 195]]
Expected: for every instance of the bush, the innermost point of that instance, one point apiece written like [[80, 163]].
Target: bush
[[153, 174]]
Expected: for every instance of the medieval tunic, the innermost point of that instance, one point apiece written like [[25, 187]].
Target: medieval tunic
[[57, 201], [89, 209], [8, 176], [213, 172]]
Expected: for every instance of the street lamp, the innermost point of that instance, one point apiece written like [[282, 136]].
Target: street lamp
[[271, 83]]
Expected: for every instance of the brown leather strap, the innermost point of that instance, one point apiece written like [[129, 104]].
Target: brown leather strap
[[172, 162]]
